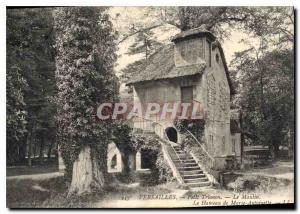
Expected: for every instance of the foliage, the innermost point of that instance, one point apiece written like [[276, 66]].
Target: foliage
[[274, 22], [267, 96], [122, 136], [213, 18], [145, 42], [85, 43], [259, 183], [160, 170], [164, 170], [196, 127], [143, 140], [15, 113], [264, 78], [30, 56]]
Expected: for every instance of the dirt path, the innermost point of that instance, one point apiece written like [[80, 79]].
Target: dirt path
[[42, 176]]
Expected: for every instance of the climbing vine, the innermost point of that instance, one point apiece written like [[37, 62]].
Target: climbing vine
[[143, 140], [196, 127], [165, 173]]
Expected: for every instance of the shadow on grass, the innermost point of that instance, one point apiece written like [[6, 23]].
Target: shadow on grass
[[52, 193], [27, 193]]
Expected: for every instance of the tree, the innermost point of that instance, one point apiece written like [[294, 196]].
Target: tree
[[85, 43], [265, 76], [15, 115], [266, 96], [145, 43]]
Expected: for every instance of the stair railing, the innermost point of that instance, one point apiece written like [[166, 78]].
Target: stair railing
[[175, 152], [211, 159]]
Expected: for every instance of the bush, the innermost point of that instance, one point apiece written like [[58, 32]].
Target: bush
[[165, 173]]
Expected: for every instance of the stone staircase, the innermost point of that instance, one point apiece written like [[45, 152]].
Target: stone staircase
[[189, 170]]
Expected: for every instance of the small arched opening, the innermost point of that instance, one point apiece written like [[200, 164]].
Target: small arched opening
[[172, 134]]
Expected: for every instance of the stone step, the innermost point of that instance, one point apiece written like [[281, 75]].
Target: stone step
[[193, 176], [184, 154], [185, 157], [181, 153], [201, 184], [198, 180], [185, 161], [175, 158], [191, 172], [188, 168], [180, 164]]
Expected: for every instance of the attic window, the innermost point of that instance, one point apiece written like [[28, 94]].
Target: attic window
[[217, 58]]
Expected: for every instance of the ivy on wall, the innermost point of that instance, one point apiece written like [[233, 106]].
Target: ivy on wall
[[196, 127]]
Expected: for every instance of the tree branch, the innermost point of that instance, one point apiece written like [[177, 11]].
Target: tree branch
[[138, 31]]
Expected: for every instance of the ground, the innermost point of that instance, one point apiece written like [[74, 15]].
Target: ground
[[48, 189]]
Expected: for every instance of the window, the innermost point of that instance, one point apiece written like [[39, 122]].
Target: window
[[186, 97], [187, 94]]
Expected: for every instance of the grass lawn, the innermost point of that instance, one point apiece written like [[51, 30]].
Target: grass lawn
[[27, 193], [48, 190], [51, 193]]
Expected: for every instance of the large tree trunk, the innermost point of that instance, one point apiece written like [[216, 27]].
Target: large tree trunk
[[87, 176]]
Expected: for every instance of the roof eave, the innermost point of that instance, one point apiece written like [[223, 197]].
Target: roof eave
[[182, 36], [161, 79]]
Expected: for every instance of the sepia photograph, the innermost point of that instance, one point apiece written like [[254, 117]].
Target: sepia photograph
[[150, 107]]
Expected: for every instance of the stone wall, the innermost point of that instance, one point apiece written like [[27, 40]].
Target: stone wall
[[214, 93]]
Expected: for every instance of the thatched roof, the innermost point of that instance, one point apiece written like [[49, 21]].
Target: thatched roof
[[161, 65]]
